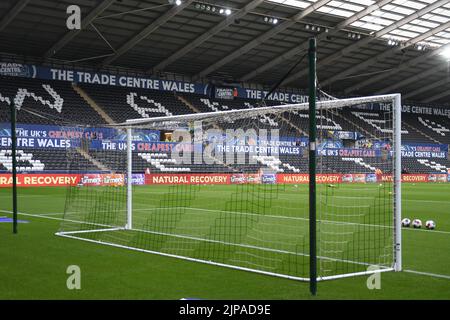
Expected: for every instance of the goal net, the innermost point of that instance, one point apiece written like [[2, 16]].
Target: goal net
[[230, 187]]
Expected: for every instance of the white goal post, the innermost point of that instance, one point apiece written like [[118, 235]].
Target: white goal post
[[255, 226]]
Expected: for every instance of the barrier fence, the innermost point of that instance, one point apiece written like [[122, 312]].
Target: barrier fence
[[99, 179]]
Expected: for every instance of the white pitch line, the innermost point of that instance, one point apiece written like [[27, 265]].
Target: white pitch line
[[307, 219], [33, 215], [254, 214], [194, 238], [74, 212], [432, 201], [51, 214], [24, 196], [410, 271], [435, 275], [59, 219], [425, 230]]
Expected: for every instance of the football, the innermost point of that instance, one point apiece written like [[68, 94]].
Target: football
[[417, 223], [406, 222], [430, 224]]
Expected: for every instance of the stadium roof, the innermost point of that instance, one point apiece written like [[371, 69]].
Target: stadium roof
[[364, 46]]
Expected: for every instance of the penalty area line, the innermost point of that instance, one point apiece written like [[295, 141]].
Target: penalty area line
[[50, 216], [44, 216], [429, 274]]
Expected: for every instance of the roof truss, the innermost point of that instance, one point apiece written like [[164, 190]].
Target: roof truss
[[355, 46], [205, 36], [6, 20], [265, 36], [146, 32], [84, 23], [296, 50]]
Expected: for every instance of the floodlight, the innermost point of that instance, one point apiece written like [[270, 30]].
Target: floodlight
[[446, 53]]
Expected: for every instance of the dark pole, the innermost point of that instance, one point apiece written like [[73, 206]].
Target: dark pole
[[14, 165], [312, 168]]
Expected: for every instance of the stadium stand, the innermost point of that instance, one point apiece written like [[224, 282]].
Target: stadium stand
[[126, 103], [44, 102], [49, 160], [25, 161], [207, 104], [56, 102], [435, 127], [162, 162], [433, 165]]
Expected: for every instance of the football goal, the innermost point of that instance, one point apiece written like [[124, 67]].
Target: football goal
[[235, 187]]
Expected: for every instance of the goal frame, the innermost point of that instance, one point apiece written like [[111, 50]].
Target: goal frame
[[129, 125]]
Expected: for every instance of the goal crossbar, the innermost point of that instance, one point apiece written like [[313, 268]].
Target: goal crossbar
[[238, 114], [131, 222]]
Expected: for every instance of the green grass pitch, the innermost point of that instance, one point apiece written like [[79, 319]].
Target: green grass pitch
[[33, 263]]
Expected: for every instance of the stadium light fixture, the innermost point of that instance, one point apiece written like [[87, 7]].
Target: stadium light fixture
[[421, 47], [446, 53], [270, 20], [353, 35], [211, 8], [315, 28], [393, 42]]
